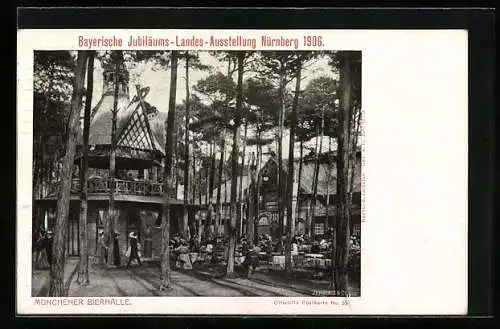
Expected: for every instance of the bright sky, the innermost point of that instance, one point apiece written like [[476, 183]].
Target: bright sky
[[158, 81]]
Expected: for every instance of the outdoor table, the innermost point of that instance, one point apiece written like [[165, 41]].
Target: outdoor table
[[298, 260], [263, 257], [279, 261], [312, 260], [324, 263], [305, 247], [314, 255]]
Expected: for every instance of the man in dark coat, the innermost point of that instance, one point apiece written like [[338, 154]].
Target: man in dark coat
[[116, 250], [251, 260], [134, 249], [47, 245]]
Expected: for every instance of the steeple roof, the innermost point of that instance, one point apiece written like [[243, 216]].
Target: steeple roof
[[133, 129]]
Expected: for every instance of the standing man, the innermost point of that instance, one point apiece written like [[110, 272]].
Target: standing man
[[116, 249], [49, 238], [102, 248], [134, 249]]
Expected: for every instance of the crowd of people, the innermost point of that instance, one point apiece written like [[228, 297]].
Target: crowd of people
[[209, 250], [185, 253], [43, 248]]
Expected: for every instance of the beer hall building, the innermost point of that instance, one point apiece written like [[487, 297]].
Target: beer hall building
[[140, 140], [314, 222], [313, 216]]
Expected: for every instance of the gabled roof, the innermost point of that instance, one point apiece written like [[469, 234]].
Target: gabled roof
[[136, 132], [157, 124], [132, 125], [327, 178], [102, 115]]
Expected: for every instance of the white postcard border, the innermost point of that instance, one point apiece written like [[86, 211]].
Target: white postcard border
[[414, 229]]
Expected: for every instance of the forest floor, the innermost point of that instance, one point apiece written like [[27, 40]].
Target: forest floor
[[301, 281], [40, 277], [203, 280]]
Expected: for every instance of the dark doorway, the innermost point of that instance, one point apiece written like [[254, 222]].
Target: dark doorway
[[133, 223], [73, 236]]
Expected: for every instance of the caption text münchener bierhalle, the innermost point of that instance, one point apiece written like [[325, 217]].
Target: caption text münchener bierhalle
[[110, 301]]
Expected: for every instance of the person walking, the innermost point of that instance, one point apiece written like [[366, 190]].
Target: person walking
[[134, 249], [251, 261]]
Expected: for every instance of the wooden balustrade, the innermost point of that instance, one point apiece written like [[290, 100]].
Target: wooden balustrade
[[102, 185]]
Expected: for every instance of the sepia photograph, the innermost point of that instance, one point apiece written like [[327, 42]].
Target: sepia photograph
[[196, 173]]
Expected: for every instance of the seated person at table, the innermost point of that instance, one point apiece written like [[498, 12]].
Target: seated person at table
[[315, 249], [193, 243], [244, 247], [323, 245], [295, 248], [206, 250]]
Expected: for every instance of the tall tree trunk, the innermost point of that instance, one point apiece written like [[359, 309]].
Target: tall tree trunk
[[175, 165], [340, 275], [328, 177], [298, 204], [40, 154], [186, 154], [194, 183], [46, 110], [200, 181], [311, 204], [316, 170], [247, 203], [200, 201], [240, 197], [176, 180], [210, 220], [60, 230], [353, 154], [207, 175], [168, 182], [225, 186], [281, 217], [206, 224], [234, 168], [259, 182], [218, 204], [290, 174], [251, 228], [112, 165], [83, 266]]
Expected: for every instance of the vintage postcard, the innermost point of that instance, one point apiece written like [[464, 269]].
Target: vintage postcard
[[242, 172]]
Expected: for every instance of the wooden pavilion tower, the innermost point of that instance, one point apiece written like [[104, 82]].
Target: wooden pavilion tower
[[138, 187]]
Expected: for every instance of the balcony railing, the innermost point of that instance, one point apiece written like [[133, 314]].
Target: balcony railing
[[102, 185]]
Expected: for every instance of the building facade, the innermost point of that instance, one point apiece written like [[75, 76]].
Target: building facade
[[140, 136], [317, 221]]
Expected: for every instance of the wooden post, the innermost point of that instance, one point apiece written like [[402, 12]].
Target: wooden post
[[112, 163], [83, 267]]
